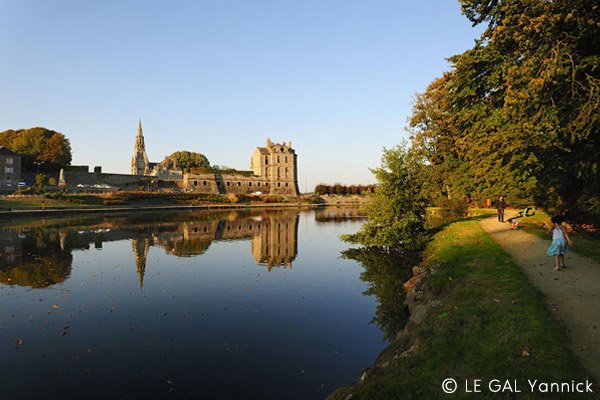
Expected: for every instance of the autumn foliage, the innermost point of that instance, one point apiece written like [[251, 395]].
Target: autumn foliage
[[41, 149]]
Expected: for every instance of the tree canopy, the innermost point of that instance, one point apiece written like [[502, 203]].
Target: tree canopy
[[396, 210], [518, 113], [185, 160], [41, 149]]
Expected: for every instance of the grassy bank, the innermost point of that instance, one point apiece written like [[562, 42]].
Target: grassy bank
[[484, 321], [583, 243], [57, 200]]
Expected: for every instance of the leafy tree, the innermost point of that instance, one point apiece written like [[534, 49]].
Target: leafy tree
[[40, 179], [185, 160], [518, 113], [41, 149], [396, 211]]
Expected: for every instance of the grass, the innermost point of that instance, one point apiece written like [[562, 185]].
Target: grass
[[73, 200], [488, 322], [583, 243], [35, 203]]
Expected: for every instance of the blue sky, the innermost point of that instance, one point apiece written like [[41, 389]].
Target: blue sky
[[337, 78]]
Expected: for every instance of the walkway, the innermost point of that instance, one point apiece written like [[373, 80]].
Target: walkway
[[573, 293]]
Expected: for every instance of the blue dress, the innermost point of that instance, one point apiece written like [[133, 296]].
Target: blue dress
[[559, 243]]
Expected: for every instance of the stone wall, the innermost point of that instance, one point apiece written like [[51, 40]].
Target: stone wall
[[238, 184], [121, 181]]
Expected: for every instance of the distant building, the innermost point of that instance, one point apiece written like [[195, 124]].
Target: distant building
[[273, 170], [277, 164], [139, 162], [10, 169]]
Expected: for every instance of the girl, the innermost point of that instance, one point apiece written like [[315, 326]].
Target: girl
[[560, 238]]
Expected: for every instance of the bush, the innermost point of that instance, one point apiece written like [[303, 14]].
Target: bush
[[455, 207]]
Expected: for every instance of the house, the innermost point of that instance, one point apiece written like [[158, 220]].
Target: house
[[10, 169]]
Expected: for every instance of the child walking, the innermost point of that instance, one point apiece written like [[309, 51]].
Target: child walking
[[560, 238]]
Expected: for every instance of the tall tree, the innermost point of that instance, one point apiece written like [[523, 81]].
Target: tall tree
[[519, 112]]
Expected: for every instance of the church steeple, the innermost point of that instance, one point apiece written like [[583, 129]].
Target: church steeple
[[139, 162]]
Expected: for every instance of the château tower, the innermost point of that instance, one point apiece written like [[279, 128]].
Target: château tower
[[139, 162], [277, 163]]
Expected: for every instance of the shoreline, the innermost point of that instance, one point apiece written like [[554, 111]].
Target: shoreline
[[472, 314], [7, 215]]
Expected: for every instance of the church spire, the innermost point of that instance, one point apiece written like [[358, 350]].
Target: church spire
[[139, 161]]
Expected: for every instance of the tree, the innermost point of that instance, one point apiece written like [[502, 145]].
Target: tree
[[396, 211], [41, 149], [40, 179], [518, 113], [185, 160]]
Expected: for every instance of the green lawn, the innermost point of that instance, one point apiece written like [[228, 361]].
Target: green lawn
[[489, 323], [32, 203]]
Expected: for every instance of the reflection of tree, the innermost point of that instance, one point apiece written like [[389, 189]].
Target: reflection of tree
[[339, 214], [385, 272], [186, 248], [42, 263]]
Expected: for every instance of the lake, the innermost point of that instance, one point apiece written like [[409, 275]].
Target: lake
[[237, 304]]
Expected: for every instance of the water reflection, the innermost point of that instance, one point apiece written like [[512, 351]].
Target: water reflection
[[40, 257], [222, 313], [385, 273]]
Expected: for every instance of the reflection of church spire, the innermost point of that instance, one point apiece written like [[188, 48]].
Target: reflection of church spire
[[140, 252]]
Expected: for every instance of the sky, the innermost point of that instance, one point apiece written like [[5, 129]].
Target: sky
[[219, 77]]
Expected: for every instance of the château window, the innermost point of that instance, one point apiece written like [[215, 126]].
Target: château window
[[286, 159], [286, 184], [277, 158], [249, 183], [219, 183], [8, 170], [239, 183], [228, 183], [9, 160], [203, 183], [278, 184], [267, 160], [258, 184], [267, 184], [195, 183], [282, 149]]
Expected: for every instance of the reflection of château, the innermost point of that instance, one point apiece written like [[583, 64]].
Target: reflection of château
[[40, 257]]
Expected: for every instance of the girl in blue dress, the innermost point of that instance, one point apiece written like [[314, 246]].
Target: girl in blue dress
[[560, 238]]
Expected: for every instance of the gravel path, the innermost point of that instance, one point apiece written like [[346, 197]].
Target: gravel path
[[573, 293]]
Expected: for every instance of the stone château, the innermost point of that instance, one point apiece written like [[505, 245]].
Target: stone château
[[273, 170]]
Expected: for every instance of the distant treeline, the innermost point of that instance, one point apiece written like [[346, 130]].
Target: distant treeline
[[322, 189]]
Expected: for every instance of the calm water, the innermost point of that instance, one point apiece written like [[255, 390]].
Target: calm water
[[255, 304]]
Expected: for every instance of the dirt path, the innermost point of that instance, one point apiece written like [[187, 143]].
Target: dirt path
[[573, 293]]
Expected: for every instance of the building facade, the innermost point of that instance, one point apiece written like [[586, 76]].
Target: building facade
[[10, 169]]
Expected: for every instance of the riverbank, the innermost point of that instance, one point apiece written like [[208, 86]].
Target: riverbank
[[474, 315], [124, 209], [66, 204]]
